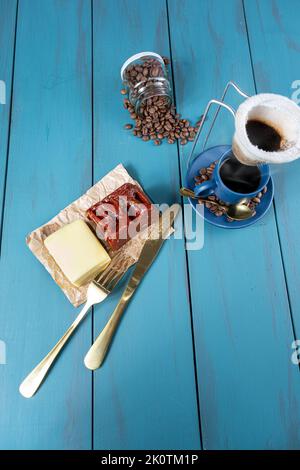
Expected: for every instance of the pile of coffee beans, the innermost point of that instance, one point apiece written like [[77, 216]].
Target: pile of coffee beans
[[205, 174], [157, 119]]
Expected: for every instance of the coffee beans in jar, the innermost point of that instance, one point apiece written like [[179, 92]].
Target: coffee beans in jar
[[145, 76], [149, 102]]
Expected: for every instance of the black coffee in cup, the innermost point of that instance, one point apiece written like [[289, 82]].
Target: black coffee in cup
[[238, 177]]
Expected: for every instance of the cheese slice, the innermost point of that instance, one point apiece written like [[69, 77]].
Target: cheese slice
[[78, 252]]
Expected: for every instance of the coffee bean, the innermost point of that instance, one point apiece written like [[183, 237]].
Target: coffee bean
[[199, 122], [183, 142], [123, 91], [155, 71], [256, 200], [157, 142], [128, 126], [203, 171], [265, 190], [146, 138], [198, 179]]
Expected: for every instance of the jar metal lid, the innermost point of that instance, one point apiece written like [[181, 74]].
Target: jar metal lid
[[136, 57]]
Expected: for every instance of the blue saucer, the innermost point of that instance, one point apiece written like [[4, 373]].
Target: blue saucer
[[204, 160]]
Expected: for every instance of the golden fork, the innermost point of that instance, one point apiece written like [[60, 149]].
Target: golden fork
[[97, 291]]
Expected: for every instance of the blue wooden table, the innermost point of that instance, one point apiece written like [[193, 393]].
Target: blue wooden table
[[203, 356]]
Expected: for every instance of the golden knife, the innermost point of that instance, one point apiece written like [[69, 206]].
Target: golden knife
[[96, 354]]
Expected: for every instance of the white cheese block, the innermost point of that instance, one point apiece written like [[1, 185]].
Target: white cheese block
[[78, 252]]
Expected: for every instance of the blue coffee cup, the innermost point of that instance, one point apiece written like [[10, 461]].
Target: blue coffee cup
[[217, 186]]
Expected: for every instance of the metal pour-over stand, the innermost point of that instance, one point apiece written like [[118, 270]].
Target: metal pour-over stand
[[220, 104], [207, 156]]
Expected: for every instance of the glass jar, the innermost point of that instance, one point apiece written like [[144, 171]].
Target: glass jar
[[145, 75]]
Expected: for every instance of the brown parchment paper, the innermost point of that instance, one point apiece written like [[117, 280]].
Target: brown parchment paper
[[121, 260]]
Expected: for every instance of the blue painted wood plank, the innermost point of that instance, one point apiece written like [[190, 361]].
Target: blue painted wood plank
[[145, 392], [248, 387], [49, 166], [7, 38], [275, 42]]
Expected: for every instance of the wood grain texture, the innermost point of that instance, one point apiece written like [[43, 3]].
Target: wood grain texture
[[49, 166], [275, 24], [7, 38], [249, 389], [145, 392]]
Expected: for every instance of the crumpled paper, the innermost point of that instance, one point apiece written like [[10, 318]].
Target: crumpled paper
[[121, 260]]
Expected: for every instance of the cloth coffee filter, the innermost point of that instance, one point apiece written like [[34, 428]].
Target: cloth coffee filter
[[277, 111]]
